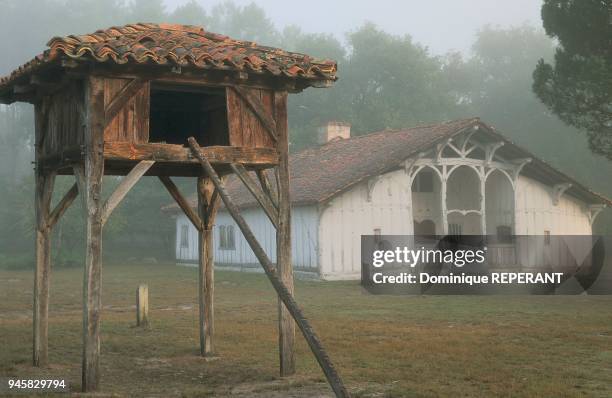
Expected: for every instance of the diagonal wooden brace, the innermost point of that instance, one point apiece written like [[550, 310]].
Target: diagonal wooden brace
[[286, 297], [182, 202], [264, 201], [63, 205], [124, 187], [267, 187]]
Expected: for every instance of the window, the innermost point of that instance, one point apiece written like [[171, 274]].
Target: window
[[184, 236], [455, 229], [226, 237], [179, 112], [423, 182]]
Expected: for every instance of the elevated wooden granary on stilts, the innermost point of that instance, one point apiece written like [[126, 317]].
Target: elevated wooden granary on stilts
[[124, 101]]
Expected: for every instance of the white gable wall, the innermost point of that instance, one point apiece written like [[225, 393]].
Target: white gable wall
[[536, 212], [349, 215]]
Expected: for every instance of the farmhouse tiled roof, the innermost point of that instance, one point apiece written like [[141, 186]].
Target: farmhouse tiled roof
[[177, 45], [318, 174]]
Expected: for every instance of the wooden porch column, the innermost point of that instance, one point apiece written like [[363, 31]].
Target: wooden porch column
[[89, 179], [207, 208], [482, 175], [44, 192], [443, 200], [286, 325]]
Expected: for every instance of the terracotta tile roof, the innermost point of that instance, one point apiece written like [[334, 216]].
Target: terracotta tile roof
[[177, 45], [319, 173]]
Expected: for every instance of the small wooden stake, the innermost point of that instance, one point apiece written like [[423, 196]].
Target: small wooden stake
[[142, 305]]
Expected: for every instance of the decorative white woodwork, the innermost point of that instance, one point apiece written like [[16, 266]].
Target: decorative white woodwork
[[558, 190], [593, 211]]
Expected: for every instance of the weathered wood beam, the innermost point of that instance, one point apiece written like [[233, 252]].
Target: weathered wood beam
[[44, 192], [207, 78], [257, 107], [63, 205], [182, 202], [267, 187], [89, 177], [124, 187], [283, 292], [207, 206], [122, 98], [67, 158], [263, 200], [264, 157], [211, 211], [286, 326]]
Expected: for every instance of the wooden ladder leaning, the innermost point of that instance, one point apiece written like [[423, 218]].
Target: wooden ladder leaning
[[286, 297]]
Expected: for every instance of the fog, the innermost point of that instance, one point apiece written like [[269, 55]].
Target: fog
[[397, 68], [441, 25]]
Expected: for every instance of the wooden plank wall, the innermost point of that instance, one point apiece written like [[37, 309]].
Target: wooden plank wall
[[132, 122], [245, 128], [62, 120]]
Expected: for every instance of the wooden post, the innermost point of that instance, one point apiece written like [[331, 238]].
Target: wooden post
[[286, 326], [44, 192], [207, 208], [142, 305], [89, 178]]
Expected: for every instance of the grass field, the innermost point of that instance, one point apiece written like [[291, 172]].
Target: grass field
[[391, 346]]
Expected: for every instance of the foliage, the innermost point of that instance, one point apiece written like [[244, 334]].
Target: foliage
[[578, 86]]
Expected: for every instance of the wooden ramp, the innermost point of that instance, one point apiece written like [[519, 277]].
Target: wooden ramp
[[283, 292]]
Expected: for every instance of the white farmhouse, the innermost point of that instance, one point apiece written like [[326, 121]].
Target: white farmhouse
[[458, 177]]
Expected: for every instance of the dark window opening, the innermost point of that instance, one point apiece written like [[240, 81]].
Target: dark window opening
[[547, 238], [423, 182], [179, 113], [226, 237], [184, 236]]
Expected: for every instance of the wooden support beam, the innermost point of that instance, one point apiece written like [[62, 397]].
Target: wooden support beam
[[63, 205], [182, 202], [267, 187], [122, 98], [89, 178], [257, 192], [44, 192], [124, 187], [207, 206], [256, 106], [283, 292], [286, 326], [127, 151]]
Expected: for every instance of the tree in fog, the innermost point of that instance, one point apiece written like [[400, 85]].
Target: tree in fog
[[577, 86]]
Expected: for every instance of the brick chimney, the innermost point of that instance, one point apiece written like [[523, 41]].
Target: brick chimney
[[334, 130]]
